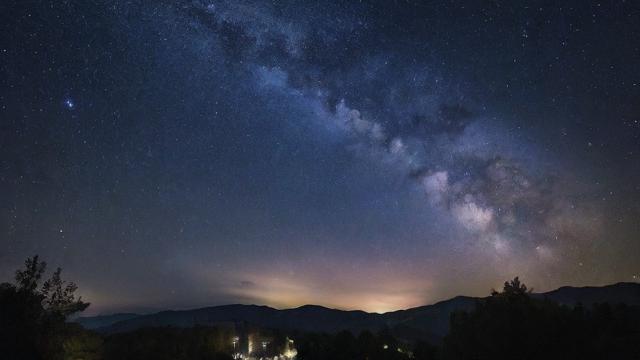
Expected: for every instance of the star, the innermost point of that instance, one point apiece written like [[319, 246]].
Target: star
[[69, 103]]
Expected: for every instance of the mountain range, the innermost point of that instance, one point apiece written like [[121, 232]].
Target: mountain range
[[426, 322]]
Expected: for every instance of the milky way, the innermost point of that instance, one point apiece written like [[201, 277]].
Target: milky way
[[377, 155]]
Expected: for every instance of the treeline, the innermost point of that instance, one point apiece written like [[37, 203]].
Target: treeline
[[345, 346], [513, 325], [172, 343], [509, 324], [167, 343]]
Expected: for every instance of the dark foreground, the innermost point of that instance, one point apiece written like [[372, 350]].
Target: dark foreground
[[510, 324]]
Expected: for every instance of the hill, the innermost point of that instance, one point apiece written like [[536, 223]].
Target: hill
[[427, 322]]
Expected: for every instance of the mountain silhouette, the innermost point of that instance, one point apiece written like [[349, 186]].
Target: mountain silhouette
[[424, 322]]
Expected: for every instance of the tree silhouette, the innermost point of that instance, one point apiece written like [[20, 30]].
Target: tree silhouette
[[27, 280], [513, 324], [513, 289], [59, 297], [34, 317]]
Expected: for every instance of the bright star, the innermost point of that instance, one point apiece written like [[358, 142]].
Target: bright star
[[69, 104]]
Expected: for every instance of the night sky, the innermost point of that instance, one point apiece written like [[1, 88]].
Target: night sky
[[358, 155]]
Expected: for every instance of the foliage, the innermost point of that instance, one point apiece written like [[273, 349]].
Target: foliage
[[346, 346], [513, 325], [82, 344], [170, 343], [33, 317], [59, 298]]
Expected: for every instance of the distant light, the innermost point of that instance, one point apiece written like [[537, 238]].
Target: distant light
[[69, 104], [385, 346]]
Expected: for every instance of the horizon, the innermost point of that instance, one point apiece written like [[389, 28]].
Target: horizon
[[370, 155], [188, 308]]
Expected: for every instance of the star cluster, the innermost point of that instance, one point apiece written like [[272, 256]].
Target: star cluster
[[371, 155]]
